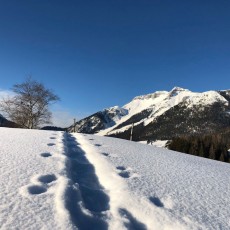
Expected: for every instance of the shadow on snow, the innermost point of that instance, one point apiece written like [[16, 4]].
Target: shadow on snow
[[85, 199], [132, 223]]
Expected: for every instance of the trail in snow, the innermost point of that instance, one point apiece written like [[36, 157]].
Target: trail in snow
[[86, 200], [160, 189], [127, 210], [89, 204]]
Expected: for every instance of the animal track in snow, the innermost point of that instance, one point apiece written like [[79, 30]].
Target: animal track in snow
[[51, 144], [47, 178], [36, 189], [46, 155], [91, 139], [98, 145], [39, 184], [156, 201], [124, 174], [52, 138], [121, 168], [105, 154], [131, 222]]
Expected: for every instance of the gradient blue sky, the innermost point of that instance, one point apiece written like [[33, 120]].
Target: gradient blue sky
[[97, 54]]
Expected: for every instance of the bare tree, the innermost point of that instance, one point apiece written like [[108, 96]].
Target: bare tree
[[29, 107]]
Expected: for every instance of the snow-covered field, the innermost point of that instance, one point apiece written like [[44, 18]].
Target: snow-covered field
[[55, 180]]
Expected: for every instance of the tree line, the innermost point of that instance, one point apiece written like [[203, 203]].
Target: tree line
[[214, 146]]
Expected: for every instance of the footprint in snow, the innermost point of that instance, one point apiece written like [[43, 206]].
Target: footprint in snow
[[121, 168], [105, 154], [124, 174], [91, 139], [42, 187], [131, 222], [47, 178], [51, 144], [36, 189], [98, 145], [156, 201], [52, 138], [45, 155]]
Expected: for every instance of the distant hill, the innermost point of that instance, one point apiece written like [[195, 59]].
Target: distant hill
[[6, 123]]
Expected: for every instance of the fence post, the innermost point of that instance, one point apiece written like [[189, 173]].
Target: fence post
[[74, 125], [131, 134]]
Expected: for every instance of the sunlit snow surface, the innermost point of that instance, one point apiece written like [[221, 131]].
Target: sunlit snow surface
[[55, 180], [31, 180]]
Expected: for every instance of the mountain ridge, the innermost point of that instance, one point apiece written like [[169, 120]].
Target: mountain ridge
[[156, 114]]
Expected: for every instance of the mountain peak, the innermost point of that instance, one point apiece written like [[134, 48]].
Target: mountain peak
[[176, 90], [150, 96]]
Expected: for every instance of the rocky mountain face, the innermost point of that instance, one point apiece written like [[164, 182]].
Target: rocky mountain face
[[162, 115], [100, 120]]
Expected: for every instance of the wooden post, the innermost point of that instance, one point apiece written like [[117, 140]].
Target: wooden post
[[131, 134], [74, 125]]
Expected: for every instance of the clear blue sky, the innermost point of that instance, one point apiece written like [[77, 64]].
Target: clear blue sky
[[100, 53]]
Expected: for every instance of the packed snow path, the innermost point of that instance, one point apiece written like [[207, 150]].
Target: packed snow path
[[55, 180], [87, 203]]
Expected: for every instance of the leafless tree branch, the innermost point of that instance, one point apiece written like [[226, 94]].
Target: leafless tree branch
[[30, 106]]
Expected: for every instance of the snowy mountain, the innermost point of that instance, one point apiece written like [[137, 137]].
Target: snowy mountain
[[100, 120], [162, 115], [62, 181]]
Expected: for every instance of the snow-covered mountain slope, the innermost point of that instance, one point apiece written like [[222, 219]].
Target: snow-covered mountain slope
[[100, 120], [151, 114], [55, 180]]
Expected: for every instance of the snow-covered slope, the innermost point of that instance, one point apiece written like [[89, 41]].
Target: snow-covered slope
[[186, 110], [100, 120], [31, 180], [55, 180]]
